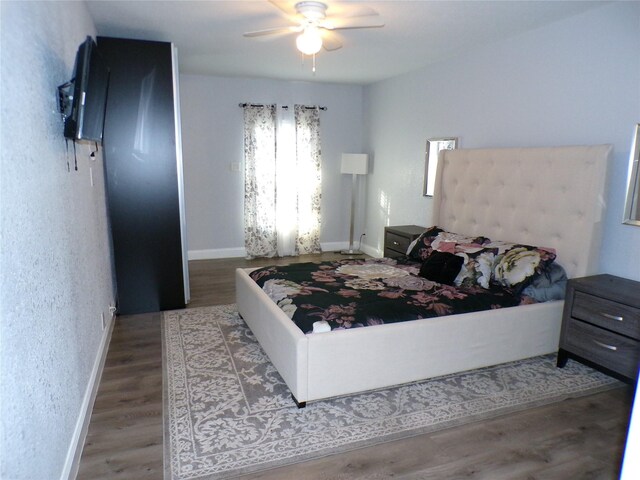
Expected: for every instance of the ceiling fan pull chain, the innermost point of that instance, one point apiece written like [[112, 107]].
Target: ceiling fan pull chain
[[313, 68]]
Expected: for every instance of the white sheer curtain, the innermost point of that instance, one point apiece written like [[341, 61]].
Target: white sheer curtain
[[282, 180], [287, 195]]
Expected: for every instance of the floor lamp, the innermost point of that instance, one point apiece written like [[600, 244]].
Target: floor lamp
[[355, 164]]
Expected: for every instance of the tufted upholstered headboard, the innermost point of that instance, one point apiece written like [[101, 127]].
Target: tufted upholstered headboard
[[548, 197]]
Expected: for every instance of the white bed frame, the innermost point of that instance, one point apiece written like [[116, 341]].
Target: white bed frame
[[553, 197]]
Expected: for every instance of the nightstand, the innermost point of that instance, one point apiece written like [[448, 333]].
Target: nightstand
[[398, 238], [601, 325]]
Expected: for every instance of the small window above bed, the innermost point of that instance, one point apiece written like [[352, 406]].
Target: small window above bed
[[632, 206], [434, 145]]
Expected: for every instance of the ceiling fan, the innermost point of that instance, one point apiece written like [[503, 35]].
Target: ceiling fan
[[315, 28]]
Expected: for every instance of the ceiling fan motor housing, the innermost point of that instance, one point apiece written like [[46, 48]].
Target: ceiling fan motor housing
[[312, 11]]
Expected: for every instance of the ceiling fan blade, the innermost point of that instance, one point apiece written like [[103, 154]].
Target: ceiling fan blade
[[347, 23], [272, 31], [331, 41], [346, 10]]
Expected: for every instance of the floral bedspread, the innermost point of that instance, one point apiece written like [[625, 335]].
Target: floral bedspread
[[357, 293]]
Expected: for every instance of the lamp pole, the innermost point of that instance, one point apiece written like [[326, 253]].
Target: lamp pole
[[351, 250]]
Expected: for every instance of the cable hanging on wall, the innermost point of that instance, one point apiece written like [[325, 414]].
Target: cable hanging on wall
[[75, 156]]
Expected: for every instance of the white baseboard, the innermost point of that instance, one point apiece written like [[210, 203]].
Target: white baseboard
[[334, 246], [372, 251], [72, 463], [217, 253], [338, 246]]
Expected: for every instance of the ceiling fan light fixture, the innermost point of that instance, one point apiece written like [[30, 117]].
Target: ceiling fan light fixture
[[309, 41]]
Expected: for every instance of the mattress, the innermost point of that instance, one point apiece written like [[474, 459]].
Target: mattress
[[345, 294]]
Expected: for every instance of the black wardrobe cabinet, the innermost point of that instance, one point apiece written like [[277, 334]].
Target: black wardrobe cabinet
[[143, 168]]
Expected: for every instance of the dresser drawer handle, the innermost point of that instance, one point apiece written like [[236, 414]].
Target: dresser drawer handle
[[604, 345], [396, 243], [612, 317]]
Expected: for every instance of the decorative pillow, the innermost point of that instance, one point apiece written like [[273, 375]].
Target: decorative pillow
[[477, 266], [517, 265], [420, 248], [441, 267], [438, 239]]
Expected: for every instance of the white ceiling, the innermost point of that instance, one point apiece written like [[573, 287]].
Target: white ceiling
[[209, 37]]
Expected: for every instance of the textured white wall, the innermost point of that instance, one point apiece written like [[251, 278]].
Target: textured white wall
[[212, 140], [572, 82], [56, 275]]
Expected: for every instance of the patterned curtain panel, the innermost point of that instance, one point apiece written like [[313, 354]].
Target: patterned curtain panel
[[308, 155], [260, 235], [282, 181]]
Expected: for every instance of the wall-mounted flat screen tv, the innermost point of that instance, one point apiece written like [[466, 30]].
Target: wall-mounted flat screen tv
[[83, 99]]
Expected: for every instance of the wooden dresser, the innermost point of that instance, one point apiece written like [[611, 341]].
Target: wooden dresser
[[601, 325], [398, 238]]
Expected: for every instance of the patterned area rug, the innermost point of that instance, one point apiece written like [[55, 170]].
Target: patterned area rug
[[228, 412]]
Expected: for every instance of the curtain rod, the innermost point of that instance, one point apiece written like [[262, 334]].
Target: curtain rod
[[282, 106]]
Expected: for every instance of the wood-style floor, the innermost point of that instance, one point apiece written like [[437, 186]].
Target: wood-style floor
[[574, 439]]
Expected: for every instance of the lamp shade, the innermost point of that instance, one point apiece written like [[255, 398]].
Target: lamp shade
[[355, 163]]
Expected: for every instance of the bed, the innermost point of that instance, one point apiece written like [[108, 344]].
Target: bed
[[552, 197]]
